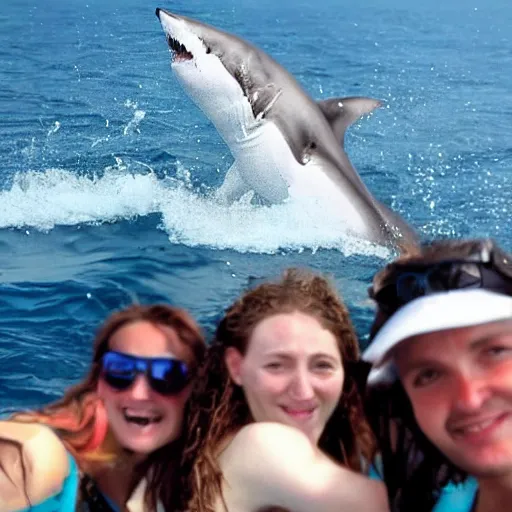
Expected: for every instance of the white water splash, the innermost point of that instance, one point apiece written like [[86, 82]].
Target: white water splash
[[54, 129], [57, 197], [133, 125], [43, 200]]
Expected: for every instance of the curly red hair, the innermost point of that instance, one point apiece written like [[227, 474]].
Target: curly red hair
[[218, 407]]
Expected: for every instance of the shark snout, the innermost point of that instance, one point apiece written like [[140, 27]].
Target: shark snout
[[159, 10], [173, 27], [160, 13]]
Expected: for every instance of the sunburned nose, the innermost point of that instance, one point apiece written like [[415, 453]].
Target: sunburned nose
[[470, 393], [301, 387]]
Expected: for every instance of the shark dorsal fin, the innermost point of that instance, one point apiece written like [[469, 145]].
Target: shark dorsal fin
[[342, 112]]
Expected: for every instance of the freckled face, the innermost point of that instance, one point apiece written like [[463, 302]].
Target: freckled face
[[292, 372]]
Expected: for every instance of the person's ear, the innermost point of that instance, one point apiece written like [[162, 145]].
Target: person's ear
[[233, 359]]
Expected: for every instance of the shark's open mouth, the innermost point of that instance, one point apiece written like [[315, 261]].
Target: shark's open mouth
[[179, 50]]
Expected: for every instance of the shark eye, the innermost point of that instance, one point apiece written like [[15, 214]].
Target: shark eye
[[208, 49]]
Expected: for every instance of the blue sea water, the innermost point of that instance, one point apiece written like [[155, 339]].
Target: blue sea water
[[106, 164]]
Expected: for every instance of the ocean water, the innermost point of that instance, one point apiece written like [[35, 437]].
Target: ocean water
[[106, 165]]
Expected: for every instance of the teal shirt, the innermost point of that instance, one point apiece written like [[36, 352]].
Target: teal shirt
[[453, 497], [457, 497], [65, 500]]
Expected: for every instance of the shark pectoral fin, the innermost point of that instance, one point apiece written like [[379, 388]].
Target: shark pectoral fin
[[342, 112], [233, 188]]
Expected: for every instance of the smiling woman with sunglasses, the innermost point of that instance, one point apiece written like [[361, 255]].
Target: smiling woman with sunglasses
[[113, 442]]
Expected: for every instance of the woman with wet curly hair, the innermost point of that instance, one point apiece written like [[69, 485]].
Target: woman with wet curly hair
[[276, 419]]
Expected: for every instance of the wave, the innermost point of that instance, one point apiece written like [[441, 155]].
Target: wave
[[45, 199]]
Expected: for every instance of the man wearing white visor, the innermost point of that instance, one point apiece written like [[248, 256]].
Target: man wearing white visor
[[441, 378]]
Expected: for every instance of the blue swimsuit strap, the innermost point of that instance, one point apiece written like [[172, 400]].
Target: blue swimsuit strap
[[65, 500], [70, 489]]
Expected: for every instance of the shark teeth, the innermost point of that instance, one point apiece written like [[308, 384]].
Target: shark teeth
[[178, 49]]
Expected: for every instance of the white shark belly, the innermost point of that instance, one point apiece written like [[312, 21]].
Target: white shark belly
[[267, 165], [264, 161], [311, 184]]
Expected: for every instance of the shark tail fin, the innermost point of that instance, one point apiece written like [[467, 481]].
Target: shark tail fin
[[405, 236]]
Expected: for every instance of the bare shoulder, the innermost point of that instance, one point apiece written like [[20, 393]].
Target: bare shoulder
[[33, 464], [269, 443], [271, 464], [268, 433]]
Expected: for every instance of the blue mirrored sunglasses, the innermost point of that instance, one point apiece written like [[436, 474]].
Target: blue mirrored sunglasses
[[166, 376]]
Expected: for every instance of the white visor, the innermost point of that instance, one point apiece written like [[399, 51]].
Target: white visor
[[432, 313]]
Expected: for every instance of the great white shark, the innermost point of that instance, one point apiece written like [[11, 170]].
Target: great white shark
[[284, 143]]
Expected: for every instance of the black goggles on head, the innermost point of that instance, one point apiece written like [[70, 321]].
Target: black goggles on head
[[484, 266]]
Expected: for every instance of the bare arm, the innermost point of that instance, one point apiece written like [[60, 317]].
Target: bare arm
[[273, 465], [33, 465]]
